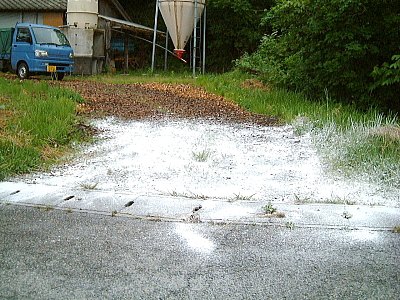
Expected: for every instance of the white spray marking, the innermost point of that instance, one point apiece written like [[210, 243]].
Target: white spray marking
[[364, 235], [194, 240]]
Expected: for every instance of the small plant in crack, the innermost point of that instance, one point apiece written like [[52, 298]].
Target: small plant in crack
[[197, 196], [238, 197], [88, 186], [269, 209], [45, 208], [333, 200], [304, 200], [340, 200], [172, 193], [201, 156], [189, 195], [396, 229], [290, 225], [346, 215]]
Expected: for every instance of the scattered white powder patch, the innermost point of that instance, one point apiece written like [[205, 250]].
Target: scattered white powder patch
[[205, 159], [193, 239]]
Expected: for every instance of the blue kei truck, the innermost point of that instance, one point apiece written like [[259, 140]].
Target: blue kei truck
[[35, 49]]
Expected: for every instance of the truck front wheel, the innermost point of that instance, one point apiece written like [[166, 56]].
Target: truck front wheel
[[23, 71]]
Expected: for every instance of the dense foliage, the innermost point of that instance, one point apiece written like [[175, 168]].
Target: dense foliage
[[234, 27], [341, 48]]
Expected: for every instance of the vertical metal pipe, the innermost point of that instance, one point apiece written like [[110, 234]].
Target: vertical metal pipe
[[108, 45], [154, 38], [204, 39], [194, 37], [166, 51], [126, 53]]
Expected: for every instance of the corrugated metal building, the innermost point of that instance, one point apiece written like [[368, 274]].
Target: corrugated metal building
[[49, 12], [91, 45]]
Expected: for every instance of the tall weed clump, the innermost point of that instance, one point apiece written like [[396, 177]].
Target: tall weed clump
[[368, 149], [36, 119]]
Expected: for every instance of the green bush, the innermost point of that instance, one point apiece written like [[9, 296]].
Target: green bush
[[233, 28], [330, 46]]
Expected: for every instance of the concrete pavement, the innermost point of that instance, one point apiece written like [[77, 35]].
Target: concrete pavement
[[57, 254], [168, 208], [59, 243]]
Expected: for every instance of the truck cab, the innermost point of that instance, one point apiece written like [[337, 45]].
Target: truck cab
[[40, 49]]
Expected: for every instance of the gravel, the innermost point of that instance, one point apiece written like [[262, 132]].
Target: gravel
[[157, 100]]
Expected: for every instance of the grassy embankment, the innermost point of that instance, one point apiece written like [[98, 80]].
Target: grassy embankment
[[351, 143], [37, 122]]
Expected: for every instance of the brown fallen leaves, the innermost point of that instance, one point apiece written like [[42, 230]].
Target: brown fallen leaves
[[158, 100]]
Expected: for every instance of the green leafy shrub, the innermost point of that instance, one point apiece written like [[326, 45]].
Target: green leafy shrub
[[233, 28], [387, 74], [330, 46]]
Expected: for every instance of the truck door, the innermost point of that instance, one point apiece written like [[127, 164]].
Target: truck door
[[22, 48]]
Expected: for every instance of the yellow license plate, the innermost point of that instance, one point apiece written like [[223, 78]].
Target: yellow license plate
[[51, 69]]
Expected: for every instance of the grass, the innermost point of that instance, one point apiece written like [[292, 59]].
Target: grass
[[36, 123], [240, 197], [189, 195], [368, 149], [332, 200], [269, 209], [201, 156], [88, 185]]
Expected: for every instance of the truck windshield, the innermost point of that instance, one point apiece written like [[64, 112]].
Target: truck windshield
[[50, 36]]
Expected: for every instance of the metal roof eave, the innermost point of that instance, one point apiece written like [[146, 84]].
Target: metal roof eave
[[131, 26], [29, 5], [121, 10]]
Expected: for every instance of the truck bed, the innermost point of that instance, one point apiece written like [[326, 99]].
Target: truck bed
[[6, 35]]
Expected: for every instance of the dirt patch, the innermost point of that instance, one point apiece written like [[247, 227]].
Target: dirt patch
[[255, 84], [389, 132], [156, 100]]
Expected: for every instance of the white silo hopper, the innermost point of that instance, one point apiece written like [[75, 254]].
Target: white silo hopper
[[179, 17], [83, 13]]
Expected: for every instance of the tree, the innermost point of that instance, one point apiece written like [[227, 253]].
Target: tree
[[233, 28], [332, 46]]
